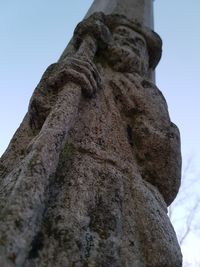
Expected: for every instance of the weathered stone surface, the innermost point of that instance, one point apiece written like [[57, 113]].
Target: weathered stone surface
[[87, 178]]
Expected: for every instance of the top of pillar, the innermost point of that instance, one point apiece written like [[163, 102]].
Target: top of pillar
[[139, 10]]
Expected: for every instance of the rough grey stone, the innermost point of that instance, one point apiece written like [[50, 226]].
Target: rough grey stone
[[87, 178]]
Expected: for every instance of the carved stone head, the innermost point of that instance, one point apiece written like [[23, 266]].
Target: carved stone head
[[128, 52], [143, 42], [126, 45]]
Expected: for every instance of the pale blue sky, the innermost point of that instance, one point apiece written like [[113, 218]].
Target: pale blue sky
[[34, 34]]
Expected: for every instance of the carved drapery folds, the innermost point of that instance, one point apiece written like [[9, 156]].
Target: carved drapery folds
[[87, 177]]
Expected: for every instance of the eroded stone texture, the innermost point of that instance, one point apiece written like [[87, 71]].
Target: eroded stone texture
[[87, 178]]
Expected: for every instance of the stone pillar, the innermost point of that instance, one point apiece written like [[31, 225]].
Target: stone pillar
[[140, 10]]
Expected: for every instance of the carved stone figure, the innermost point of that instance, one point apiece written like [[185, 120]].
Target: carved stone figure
[[88, 176]]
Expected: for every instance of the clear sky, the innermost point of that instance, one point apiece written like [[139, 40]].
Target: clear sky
[[34, 34]]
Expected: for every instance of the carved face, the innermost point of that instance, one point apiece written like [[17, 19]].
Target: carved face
[[128, 51]]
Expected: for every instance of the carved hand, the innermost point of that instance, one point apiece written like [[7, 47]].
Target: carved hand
[[80, 71]]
